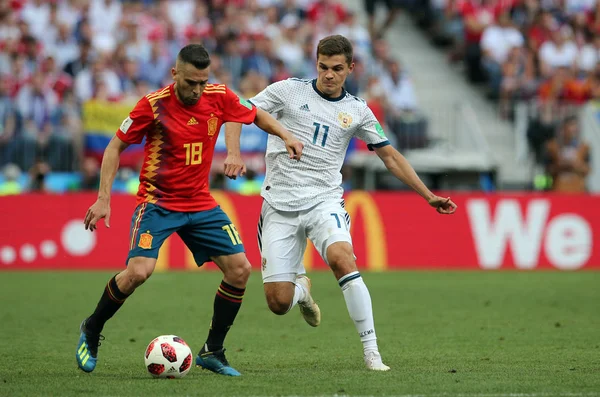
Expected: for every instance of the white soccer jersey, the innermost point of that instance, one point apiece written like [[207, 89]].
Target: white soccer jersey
[[325, 126]]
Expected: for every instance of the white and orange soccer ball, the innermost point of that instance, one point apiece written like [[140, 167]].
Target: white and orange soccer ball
[[168, 356]]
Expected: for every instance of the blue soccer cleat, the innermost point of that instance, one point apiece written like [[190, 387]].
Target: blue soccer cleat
[[87, 349], [215, 362]]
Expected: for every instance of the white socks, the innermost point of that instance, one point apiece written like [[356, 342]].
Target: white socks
[[358, 301], [299, 295]]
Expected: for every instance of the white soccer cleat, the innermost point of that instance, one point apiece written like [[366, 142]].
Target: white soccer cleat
[[374, 363], [309, 309]]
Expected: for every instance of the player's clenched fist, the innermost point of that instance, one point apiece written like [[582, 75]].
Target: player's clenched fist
[[100, 209], [294, 147], [443, 205]]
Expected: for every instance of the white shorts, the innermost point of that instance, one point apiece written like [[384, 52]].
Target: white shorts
[[282, 236]]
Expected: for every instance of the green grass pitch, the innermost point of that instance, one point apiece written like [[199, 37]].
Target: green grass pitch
[[494, 334]]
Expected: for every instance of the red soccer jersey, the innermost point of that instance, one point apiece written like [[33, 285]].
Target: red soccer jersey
[[180, 142]]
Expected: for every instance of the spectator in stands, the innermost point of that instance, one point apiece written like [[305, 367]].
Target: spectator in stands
[[559, 52], [291, 7], [31, 51], [497, 42], [356, 82], [589, 55], [356, 33], [156, 67], [540, 131], [37, 176], [259, 58], [327, 25], [36, 102], [398, 88], [403, 116], [58, 150], [393, 8], [36, 13], [82, 61], [252, 84], [563, 86], [377, 100], [568, 158], [129, 75], [69, 12], [64, 49], [306, 68], [90, 176], [541, 30], [7, 123], [280, 71], [381, 55], [10, 185], [477, 17], [288, 46], [104, 19], [54, 78], [519, 79], [231, 58], [319, 10], [89, 81]]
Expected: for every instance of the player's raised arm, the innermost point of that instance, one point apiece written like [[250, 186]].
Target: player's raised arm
[[234, 165], [110, 164], [397, 164], [268, 123]]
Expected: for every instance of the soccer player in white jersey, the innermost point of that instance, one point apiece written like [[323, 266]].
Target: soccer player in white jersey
[[304, 199]]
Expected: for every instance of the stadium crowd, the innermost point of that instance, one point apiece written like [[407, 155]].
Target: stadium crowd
[[57, 56], [544, 52]]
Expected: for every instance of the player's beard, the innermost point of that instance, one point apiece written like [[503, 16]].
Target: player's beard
[[188, 100]]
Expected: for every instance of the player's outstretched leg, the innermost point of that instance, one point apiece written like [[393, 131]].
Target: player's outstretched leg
[[117, 290], [228, 300], [89, 339], [358, 301]]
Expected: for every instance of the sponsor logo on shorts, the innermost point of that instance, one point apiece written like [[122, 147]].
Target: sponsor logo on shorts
[[145, 241]]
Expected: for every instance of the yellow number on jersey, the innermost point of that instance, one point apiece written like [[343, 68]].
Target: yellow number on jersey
[[193, 153]]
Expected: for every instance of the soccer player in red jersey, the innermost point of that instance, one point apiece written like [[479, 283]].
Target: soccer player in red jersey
[[180, 123]]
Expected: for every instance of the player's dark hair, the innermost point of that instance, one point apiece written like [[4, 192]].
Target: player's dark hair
[[196, 55], [336, 45]]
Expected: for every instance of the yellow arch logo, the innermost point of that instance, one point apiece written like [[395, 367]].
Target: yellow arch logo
[[375, 239]]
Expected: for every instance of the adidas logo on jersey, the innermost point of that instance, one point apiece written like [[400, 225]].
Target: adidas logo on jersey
[[305, 108], [192, 121]]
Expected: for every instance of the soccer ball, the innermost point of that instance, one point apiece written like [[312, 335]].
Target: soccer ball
[[168, 356]]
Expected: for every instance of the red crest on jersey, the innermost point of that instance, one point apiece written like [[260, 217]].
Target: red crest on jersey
[[213, 122]]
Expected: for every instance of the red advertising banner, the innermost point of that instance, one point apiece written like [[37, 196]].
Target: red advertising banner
[[389, 230]]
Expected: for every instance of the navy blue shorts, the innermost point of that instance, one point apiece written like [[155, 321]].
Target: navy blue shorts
[[205, 233]]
